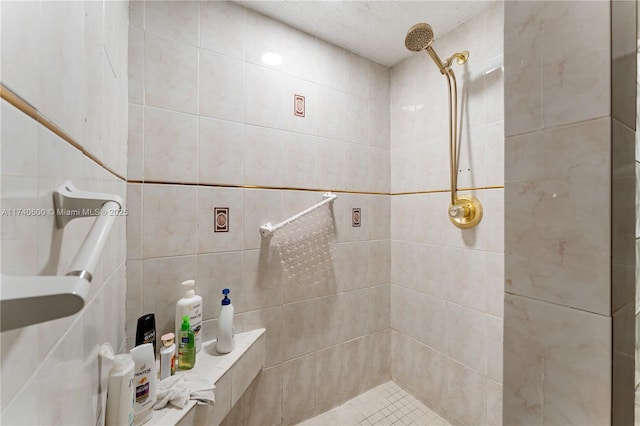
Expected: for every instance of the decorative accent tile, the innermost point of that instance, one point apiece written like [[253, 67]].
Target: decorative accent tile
[[356, 217], [298, 105], [222, 219]]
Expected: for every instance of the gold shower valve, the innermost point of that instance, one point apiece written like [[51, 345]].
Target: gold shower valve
[[465, 212]]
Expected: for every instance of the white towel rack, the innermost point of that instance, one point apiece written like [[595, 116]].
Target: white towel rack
[[267, 229], [31, 300]]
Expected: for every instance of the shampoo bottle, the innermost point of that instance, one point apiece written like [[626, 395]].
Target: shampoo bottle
[[120, 394], [167, 356], [226, 339], [146, 330], [144, 382], [186, 346], [191, 306]]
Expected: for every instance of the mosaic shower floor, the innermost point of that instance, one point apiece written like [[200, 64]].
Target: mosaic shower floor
[[385, 405]]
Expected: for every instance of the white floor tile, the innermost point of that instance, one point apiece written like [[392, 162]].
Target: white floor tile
[[385, 405]]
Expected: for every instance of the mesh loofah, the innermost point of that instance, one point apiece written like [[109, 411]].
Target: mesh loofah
[[307, 247]]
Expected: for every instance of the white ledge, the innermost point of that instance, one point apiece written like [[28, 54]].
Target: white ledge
[[231, 373]]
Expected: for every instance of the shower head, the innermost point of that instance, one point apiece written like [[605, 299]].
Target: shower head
[[419, 37]]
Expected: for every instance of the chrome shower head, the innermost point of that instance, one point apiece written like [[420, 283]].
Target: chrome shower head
[[419, 37]]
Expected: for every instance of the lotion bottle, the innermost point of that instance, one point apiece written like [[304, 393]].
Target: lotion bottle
[[167, 356], [191, 306], [226, 339]]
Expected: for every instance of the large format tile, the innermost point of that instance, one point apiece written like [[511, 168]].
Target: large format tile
[[557, 364], [563, 244], [169, 225], [171, 74], [170, 146]]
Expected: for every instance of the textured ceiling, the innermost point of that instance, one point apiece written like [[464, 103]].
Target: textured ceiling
[[373, 29]]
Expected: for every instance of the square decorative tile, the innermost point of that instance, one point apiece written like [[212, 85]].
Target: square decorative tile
[[222, 219], [356, 217], [298, 105]]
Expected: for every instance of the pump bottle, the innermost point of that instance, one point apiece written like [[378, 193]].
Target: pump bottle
[[226, 338], [191, 306]]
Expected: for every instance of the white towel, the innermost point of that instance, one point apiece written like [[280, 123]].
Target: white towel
[[178, 389]]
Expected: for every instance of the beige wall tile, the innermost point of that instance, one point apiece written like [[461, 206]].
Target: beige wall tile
[[271, 319], [298, 160], [331, 113], [356, 311], [299, 386], [379, 119], [135, 143], [299, 54], [263, 156], [260, 207], [331, 325], [171, 74], [134, 296], [299, 329], [170, 146], [540, 343], [262, 96], [467, 393], [330, 164], [217, 271], [356, 167], [261, 280], [494, 403], [243, 373], [467, 337], [262, 35], [135, 63], [161, 288], [221, 87], [173, 19], [263, 399], [208, 200], [222, 28], [169, 220], [379, 308], [220, 152]]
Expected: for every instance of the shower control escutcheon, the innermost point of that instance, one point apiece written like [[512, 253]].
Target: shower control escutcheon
[[465, 212]]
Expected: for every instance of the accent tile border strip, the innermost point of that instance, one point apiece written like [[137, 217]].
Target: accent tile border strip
[[16, 101], [31, 111], [287, 188]]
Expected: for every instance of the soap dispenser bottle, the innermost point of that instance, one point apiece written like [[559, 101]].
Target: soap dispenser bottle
[[226, 339], [191, 306], [186, 346]]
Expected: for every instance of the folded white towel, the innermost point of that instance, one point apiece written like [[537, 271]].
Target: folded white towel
[[178, 389], [200, 389]]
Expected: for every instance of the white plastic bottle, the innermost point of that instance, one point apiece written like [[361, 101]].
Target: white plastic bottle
[[168, 356], [144, 382], [226, 339], [191, 306], [120, 393]]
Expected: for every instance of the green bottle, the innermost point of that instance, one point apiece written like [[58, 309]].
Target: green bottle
[[186, 346]]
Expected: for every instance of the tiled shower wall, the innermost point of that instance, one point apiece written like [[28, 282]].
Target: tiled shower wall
[[570, 121], [637, 233], [69, 60], [209, 120], [447, 283]]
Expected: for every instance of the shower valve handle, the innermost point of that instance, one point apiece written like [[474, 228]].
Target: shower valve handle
[[459, 211]]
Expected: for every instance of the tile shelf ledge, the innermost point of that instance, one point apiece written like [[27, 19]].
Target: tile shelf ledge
[[236, 370]]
